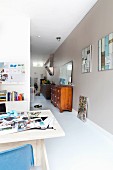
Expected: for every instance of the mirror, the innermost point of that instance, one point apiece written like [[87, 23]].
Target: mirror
[[66, 73]]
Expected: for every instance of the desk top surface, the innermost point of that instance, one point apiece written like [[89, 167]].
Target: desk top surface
[[35, 134]]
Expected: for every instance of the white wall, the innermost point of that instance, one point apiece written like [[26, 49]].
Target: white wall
[[15, 47]]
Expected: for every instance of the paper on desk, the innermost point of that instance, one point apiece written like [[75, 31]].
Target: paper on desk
[[19, 124]]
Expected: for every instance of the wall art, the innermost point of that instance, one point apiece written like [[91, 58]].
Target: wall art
[[83, 108], [105, 53], [87, 59]]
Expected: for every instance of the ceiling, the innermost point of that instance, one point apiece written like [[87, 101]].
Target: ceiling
[[49, 19]]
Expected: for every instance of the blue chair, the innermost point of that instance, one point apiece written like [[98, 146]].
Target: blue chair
[[20, 158]]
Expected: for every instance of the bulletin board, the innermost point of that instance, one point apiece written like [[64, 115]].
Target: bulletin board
[[12, 72]]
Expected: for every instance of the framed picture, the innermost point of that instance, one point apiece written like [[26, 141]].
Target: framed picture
[[83, 108], [87, 59], [105, 53]]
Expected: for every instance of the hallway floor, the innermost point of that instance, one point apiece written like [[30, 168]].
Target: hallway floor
[[84, 146]]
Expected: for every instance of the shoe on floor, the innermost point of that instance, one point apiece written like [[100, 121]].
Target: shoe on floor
[[37, 106]]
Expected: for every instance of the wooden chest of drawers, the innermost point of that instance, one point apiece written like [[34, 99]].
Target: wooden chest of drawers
[[61, 97]]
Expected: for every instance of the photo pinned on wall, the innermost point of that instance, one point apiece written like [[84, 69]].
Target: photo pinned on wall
[[105, 53], [83, 108], [87, 59]]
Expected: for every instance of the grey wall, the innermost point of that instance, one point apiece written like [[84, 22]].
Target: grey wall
[[97, 86]]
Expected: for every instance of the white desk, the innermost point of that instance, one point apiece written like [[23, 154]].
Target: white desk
[[35, 138]]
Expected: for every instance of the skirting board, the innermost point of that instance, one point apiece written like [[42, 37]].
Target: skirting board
[[108, 135]]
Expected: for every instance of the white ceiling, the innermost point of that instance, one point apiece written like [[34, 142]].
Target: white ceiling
[[49, 19]]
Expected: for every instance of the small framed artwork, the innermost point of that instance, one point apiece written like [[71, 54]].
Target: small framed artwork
[[105, 53], [87, 59]]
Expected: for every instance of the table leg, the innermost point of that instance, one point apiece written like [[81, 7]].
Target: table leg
[[44, 159]]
